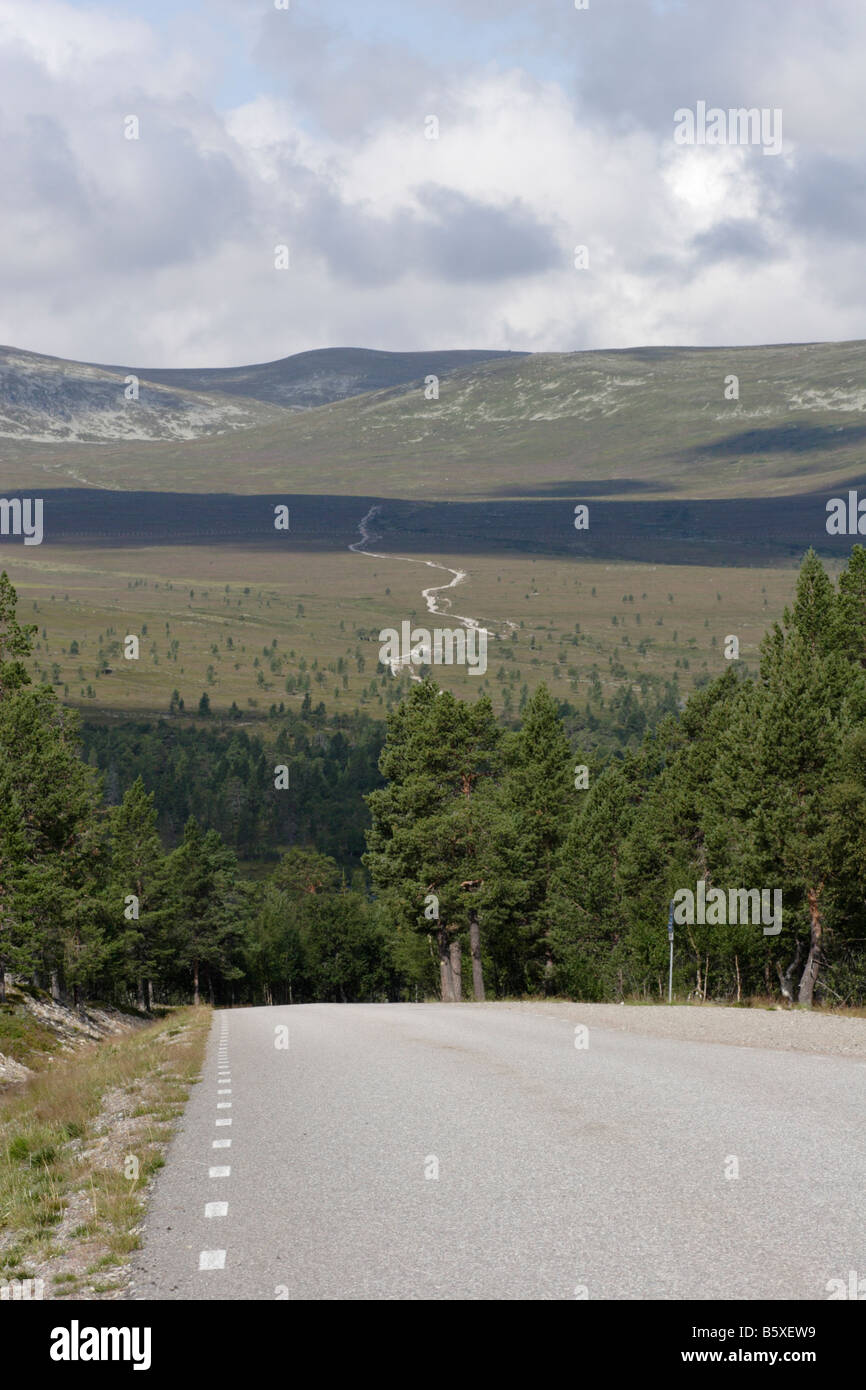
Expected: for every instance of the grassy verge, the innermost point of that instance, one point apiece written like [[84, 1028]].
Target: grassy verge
[[78, 1146], [24, 1038]]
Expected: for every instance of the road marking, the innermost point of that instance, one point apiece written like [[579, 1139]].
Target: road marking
[[225, 1122], [222, 1144], [225, 1092], [216, 1209], [224, 1105], [212, 1259], [219, 1172]]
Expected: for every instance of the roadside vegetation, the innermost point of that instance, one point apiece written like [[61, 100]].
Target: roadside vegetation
[[334, 860], [79, 1144]]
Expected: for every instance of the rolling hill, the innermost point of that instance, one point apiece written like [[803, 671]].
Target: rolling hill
[[641, 423]]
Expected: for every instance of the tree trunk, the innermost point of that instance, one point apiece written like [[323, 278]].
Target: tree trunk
[[813, 960], [150, 996], [196, 997], [786, 980], [55, 987], [446, 982], [739, 985], [549, 967], [140, 995], [475, 950], [2, 981], [456, 969]]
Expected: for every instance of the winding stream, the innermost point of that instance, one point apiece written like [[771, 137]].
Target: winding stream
[[368, 537]]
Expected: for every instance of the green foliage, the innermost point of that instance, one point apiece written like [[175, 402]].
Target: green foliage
[[758, 782]]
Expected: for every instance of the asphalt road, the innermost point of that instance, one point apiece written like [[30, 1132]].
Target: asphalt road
[[563, 1172]]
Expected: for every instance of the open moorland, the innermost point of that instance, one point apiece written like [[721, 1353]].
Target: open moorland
[[159, 515]]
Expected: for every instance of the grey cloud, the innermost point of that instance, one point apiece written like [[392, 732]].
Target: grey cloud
[[457, 239], [349, 86], [134, 206], [734, 239], [827, 196]]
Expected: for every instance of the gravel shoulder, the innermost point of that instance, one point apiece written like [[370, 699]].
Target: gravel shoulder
[[784, 1030]]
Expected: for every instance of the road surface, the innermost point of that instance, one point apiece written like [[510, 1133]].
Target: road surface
[[437, 1151]]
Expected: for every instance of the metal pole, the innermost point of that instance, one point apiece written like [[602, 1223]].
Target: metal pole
[[671, 940]]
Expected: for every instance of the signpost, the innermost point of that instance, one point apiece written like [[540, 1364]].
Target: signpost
[[671, 940]]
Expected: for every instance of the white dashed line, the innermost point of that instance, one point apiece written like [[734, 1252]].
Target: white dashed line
[[212, 1259], [216, 1259]]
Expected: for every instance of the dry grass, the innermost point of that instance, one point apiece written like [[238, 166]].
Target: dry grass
[[576, 615], [78, 1145]]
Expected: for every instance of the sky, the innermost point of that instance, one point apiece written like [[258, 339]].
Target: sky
[[307, 128]]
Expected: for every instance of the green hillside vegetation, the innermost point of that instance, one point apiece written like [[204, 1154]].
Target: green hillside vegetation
[[313, 378], [508, 854], [644, 421], [252, 629]]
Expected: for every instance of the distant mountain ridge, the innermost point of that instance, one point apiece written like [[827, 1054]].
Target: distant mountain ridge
[[658, 422], [51, 399], [318, 377]]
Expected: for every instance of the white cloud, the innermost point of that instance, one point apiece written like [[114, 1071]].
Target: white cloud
[[160, 251]]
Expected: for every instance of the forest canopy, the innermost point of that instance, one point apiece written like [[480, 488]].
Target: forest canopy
[[154, 862]]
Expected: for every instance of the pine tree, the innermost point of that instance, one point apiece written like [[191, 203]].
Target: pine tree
[[539, 800], [136, 856], [776, 786], [50, 840], [427, 843], [202, 909]]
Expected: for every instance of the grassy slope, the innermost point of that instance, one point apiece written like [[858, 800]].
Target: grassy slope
[[641, 425], [72, 595], [71, 1201], [650, 421]]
